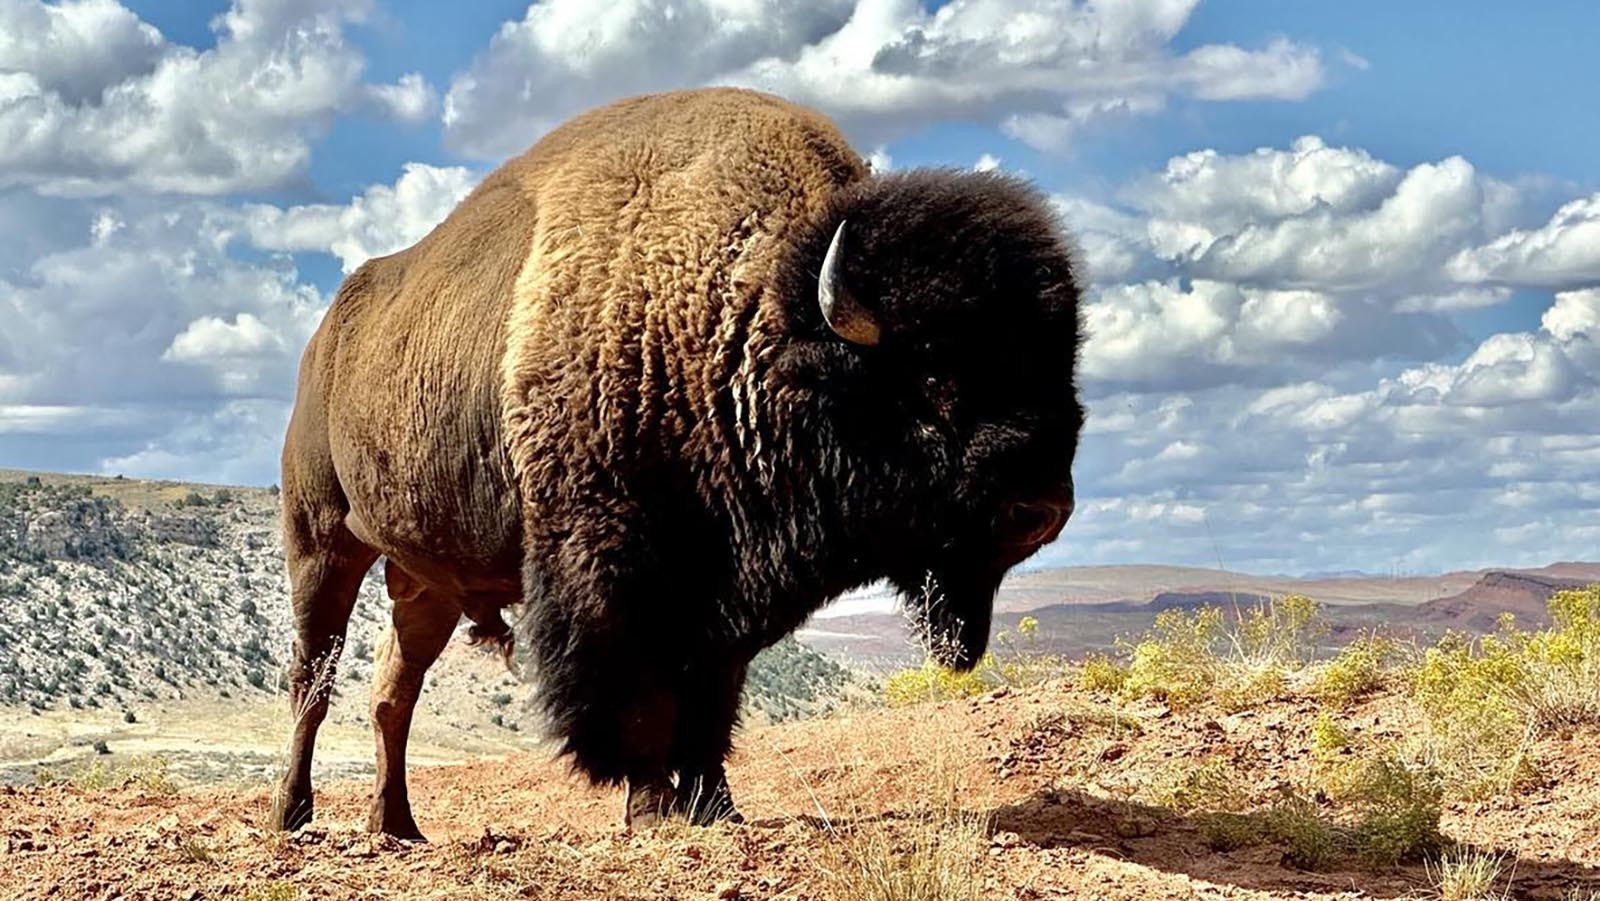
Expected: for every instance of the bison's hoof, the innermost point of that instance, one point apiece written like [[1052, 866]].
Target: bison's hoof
[[704, 799], [705, 810], [290, 811], [648, 804], [394, 822], [406, 831]]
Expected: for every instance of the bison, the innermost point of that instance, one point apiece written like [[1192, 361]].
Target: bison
[[672, 379]]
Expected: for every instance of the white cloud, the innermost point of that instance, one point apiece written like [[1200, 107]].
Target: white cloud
[[411, 99], [883, 67], [97, 102], [1564, 251], [210, 338], [75, 49], [1162, 335], [1574, 316], [381, 221], [238, 442], [986, 163], [1265, 184], [152, 309], [1319, 217]]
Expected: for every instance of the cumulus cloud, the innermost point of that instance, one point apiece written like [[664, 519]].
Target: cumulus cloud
[[148, 335], [1163, 335], [1269, 265], [1563, 252], [148, 305], [384, 219], [237, 442], [75, 49], [411, 99], [1319, 217], [1277, 380], [94, 101], [883, 67]]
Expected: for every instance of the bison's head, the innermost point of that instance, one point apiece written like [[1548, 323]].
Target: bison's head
[[939, 339]]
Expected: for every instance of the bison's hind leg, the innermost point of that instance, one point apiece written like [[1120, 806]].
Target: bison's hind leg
[[422, 622], [326, 566]]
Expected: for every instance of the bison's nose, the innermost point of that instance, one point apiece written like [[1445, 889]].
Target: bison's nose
[[1032, 524]]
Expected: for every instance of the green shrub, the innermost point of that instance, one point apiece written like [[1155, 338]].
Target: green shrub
[[1212, 786], [1358, 670], [1468, 692], [1017, 661], [932, 682], [1177, 661], [1312, 843], [1399, 807], [1101, 673]]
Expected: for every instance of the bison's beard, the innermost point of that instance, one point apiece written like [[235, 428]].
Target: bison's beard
[[950, 609]]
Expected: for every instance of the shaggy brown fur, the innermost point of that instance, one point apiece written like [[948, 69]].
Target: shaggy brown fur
[[604, 386]]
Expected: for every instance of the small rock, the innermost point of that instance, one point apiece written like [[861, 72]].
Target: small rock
[[1136, 827], [1005, 840], [728, 891], [504, 846]]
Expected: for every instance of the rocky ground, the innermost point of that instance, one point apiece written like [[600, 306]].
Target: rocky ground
[[1044, 792]]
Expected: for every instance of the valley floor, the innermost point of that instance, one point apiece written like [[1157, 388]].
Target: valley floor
[[1058, 781]]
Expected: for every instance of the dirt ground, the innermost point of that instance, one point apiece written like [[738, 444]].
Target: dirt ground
[[1061, 780]]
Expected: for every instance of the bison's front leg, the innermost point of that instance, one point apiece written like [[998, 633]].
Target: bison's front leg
[[607, 695], [704, 737]]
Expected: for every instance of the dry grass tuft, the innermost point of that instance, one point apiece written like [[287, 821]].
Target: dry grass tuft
[[1467, 874], [276, 890], [932, 852]]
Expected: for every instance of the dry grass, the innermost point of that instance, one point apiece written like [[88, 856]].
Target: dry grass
[[1467, 874], [196, 850], [931, 852], [276, 890], [932, 855], [323, 675]]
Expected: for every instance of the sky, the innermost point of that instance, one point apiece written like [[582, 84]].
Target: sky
[[1343, 259]]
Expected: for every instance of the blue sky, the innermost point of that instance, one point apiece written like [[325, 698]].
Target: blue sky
[[1345, 258]]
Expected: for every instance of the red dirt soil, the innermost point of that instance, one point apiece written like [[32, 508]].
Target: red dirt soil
[[1064, 784]]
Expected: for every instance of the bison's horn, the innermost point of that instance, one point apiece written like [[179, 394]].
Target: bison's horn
[[846, 316]]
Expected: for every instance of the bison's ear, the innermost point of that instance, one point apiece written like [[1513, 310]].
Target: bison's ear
[[845, 315]]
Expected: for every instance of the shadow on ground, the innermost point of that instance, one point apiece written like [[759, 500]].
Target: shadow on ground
[[1185, 844]]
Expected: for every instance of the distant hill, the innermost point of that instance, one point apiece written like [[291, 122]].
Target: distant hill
[[1084, 608], [1524, 594], [1135, 583]]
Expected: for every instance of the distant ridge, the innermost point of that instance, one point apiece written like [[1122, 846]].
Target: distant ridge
[[1524, 594]]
